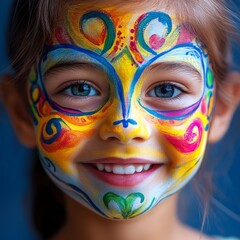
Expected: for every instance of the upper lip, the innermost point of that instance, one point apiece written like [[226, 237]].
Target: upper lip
[[122, 161]]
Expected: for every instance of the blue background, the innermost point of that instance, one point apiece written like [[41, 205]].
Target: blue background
[[223, 216]]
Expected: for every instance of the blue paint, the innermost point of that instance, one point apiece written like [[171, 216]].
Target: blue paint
[[162, 18], [53, 123], [141, 69], [125, 122], [100, 60], [49, 164], [104, 63], [76, 189]]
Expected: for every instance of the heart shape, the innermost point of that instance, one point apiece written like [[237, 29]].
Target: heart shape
[[125, 204], [156, 41]]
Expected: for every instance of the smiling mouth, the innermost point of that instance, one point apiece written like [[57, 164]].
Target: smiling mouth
[[124, 173], [125, 169]]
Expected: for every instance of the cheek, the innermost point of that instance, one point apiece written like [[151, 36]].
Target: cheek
[[61, 136], [185, 140]]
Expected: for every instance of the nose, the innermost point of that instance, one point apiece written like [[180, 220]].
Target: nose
[[115, 127]]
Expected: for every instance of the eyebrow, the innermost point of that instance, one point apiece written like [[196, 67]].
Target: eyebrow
[[63, 66], [176, 66]]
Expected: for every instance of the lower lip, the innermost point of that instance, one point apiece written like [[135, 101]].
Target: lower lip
[[122, 180]]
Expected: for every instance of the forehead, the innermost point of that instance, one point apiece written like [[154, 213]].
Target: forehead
[[132, 34]]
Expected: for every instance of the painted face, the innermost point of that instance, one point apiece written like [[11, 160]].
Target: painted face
[[121, 105]]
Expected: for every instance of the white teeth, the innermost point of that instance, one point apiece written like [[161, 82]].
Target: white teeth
[[118, 169], [146, 167], [139, 168], [100, 166], [122, 169], [108, 168], [130, 169]]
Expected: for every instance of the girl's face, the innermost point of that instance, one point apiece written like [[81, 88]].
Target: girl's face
[[121, 105]]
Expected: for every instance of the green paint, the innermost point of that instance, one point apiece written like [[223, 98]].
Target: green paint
[[209, 78], [124, 204]]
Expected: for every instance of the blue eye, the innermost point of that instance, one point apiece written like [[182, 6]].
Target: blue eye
[[165, 90], [81, 90]]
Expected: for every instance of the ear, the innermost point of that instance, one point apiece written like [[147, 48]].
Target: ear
[[228, 98], [18, 111]]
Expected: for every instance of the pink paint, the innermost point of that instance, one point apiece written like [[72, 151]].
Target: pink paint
[[185, 36], [156, 42], [204, 107], [190, 141]]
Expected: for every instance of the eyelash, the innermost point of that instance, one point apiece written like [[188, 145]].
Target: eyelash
[[74, 83], [172, 84]]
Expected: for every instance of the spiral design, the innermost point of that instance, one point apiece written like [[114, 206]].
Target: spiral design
[[53, 129], [191, 140]]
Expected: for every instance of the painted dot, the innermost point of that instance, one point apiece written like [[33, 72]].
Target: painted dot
[[132, 31], [207, 127], [120, 26], [204, 107], [209, 79], [35, 95]]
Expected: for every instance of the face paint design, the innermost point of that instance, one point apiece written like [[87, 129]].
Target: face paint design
[[121, 106]]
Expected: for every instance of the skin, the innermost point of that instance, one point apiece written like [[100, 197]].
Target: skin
[[127, 117], [125, 121]]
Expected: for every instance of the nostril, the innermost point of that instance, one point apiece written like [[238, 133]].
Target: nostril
[[112, 138], [138, 139]]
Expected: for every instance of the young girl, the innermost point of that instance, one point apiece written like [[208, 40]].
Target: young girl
[[120, 98]]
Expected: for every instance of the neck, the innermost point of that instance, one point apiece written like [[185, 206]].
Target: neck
[[156, 224]]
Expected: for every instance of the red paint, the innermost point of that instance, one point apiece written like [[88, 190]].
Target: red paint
[[60, 35], [98, 38], [66, 139], [135, 52]]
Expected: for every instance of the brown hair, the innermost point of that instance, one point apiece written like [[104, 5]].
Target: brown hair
[[32, 24]]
